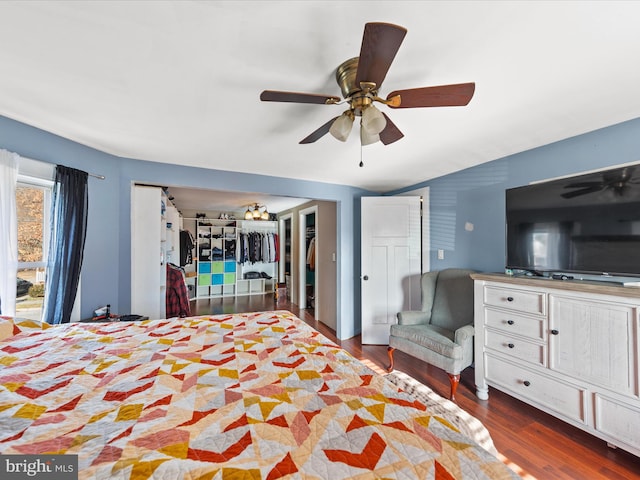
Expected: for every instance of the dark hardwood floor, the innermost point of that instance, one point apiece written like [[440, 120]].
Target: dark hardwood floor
[[532, 443]]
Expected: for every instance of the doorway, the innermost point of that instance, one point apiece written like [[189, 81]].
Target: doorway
[[308, 273], [286, 242]]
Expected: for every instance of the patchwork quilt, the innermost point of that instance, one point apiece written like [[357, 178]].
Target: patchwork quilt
[[243, 396]]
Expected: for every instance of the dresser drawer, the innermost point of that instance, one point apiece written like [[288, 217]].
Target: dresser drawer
[[511, 322], [516, 347], [518, 300], [561, 397]]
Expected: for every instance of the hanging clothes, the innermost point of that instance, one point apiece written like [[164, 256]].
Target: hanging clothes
[[187, 243], [311, 254], [242, 248], [276, 248], [257, 247], [177, 297]]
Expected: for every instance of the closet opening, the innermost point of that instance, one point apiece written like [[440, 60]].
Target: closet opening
[[308, 274], [286, 249], [221, 278]]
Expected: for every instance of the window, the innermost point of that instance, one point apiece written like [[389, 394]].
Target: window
[[33, 205]]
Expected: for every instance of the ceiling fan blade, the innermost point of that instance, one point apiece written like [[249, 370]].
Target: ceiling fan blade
[[442, 96], [380, 43], [295, 97], [319, 133], [391, 133], [583, 191]]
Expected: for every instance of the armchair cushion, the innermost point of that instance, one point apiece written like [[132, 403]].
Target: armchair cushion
[[413, 318], [434, 338]]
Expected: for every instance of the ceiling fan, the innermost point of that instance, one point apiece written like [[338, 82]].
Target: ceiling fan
[[617, 181], [360, 78]]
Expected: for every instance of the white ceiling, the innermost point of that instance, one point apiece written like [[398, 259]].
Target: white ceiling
[[189, 201], [179, 81]]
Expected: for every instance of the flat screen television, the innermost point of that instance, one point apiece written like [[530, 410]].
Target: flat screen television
[[587, 224]]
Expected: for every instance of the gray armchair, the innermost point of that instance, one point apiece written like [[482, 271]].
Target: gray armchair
[[441, 333]]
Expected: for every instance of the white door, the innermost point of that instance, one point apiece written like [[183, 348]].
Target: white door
[[391, 263]]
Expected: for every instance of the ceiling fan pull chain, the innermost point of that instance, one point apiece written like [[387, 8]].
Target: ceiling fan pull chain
[[361, 162]]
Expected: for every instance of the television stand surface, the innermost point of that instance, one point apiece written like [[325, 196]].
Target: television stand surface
[[624, 281]]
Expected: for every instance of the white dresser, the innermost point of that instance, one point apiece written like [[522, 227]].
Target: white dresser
[[570, 348]]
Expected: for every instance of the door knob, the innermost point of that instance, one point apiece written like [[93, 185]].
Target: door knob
[[366, 277]]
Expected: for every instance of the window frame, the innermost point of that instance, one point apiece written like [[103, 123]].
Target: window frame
[[47, 186]]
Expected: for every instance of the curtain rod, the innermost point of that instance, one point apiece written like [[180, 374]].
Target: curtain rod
[[99, 177]]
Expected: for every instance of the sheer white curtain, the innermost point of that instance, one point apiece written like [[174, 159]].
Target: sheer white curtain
[[8, 231]]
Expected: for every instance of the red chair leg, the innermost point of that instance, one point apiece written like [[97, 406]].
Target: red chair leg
[[390, 353], [454, 380]]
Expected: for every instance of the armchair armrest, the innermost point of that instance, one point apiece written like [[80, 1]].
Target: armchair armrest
[[413, 318], [464, 334]]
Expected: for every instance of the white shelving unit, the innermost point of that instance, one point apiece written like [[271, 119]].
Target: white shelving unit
[[219, 273], [155, 241], [217, 267], [149, 240], [172, 233]]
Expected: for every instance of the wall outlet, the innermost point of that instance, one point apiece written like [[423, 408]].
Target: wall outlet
[[440, 254]]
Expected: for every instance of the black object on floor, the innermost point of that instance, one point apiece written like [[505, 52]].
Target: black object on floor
[[132, 318]]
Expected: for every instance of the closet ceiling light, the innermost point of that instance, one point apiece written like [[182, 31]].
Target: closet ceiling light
[[256, 212]]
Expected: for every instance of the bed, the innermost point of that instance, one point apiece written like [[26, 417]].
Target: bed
[[243, 396]]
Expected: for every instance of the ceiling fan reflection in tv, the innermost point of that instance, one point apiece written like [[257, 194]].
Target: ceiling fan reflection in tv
[[618, 181]]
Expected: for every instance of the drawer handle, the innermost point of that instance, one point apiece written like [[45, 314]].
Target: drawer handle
[[510, 322], [509, 299], [510, 345], [527, 383], [554, 332]]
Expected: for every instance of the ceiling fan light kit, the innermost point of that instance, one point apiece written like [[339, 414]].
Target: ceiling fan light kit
[[360, 78], [367, 137], [341, 126], [372, 120]]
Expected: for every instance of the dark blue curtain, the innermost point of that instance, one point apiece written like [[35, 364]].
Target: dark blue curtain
[[68, 232]]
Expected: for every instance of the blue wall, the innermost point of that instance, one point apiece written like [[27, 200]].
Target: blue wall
[[106, 272], [474, 195], [477, 195]]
